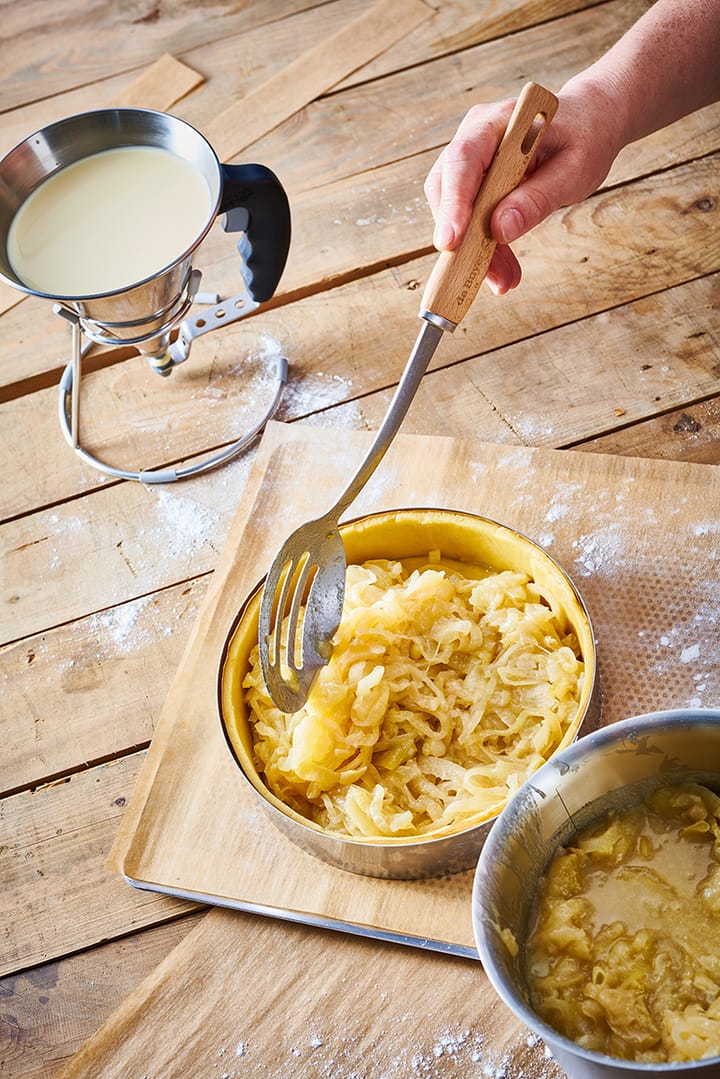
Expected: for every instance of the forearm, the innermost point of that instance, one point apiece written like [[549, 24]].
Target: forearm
[[665, 67]]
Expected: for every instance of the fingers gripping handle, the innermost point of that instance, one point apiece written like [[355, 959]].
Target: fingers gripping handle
[[255, 202], [457, 275]]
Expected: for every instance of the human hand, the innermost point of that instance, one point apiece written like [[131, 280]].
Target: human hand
[[573, 158]]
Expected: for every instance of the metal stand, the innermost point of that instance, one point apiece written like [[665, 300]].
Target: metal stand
[[69, 390]]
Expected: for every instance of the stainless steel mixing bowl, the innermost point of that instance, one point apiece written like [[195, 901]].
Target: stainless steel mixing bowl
[[405, 534], [610, 768]]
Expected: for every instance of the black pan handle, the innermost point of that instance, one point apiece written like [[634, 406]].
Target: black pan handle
[[254, 202]]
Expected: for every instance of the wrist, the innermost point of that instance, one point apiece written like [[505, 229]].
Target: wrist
[[602, 101]]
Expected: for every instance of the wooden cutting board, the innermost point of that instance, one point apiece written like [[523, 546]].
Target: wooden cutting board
[[252, 998], [638, 537]]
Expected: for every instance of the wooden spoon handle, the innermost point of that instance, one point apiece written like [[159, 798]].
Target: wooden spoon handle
[[457, 275]]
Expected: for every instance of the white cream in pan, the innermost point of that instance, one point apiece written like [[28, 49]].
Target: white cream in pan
[[108, 221]]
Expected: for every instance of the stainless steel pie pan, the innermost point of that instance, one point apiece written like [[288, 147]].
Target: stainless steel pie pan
[[395, 534]]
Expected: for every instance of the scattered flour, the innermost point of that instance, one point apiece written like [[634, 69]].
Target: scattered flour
[[120, 624], [565, 497], [349, 414], [556, 512], [269, 349], [184, 524], [407, 212], [125, 630], [534, 430], [313, 391], [601, 551], [456, 1054], [517, 457], [64, 531], [706, 528], [252, 387]]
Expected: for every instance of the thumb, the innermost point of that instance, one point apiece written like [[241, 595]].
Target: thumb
[[541, 193], [520, 211]]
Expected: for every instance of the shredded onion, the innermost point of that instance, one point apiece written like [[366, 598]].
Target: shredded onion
[[443, 694]]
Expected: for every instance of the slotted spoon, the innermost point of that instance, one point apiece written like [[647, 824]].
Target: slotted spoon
[[302, 599]]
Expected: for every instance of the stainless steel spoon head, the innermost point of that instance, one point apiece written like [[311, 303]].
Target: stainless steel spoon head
[[300, 611]]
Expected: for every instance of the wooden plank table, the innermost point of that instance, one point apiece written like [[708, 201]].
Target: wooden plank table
[[611, 345]]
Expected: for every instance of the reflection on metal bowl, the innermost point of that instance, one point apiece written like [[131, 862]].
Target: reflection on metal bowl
[[401, 534], [612, 768]]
